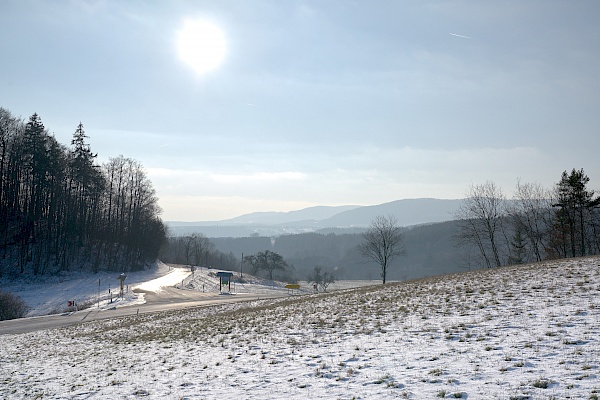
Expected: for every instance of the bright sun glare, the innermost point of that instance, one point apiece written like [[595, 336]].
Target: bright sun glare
[[201, 45]]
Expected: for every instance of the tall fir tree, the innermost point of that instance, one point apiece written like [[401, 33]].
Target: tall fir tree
[[574, 204]]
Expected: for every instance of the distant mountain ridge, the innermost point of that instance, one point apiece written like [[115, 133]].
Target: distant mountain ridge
[[408, 212], [316, 213]]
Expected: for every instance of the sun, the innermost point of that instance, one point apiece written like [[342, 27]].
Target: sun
[[201, 45]]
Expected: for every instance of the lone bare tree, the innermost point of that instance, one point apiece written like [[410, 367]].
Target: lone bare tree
[[382, 242]]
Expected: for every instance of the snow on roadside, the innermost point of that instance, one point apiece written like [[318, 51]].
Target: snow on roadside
[[206, 280], [177, 275], [527, 332], [51, 294]]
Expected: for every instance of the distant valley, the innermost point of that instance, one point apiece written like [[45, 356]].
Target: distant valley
[[343, 219], [304, 237]]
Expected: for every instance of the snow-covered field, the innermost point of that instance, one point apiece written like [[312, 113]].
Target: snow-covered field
[[529, 332]]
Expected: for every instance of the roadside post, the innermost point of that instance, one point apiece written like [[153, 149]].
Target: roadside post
[[121, 279]]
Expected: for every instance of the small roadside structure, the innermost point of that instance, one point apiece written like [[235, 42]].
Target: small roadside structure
[[224, 279]]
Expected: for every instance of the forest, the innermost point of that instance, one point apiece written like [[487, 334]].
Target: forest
[[60, 210]]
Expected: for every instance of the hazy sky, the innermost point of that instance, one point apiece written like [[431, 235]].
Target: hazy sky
[[316, 102]]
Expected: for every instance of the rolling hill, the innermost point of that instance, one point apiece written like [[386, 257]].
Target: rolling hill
[[408, 212]]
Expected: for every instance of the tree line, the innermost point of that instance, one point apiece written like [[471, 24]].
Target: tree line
[[197, 250], [535, 225], [429, 250], [59, 209]]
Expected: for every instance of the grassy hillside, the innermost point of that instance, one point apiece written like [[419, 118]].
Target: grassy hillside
[[527, 332]]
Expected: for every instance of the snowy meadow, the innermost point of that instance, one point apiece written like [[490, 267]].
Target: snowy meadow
[[526, 332]]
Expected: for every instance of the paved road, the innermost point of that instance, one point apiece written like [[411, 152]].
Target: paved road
[[169, 299]]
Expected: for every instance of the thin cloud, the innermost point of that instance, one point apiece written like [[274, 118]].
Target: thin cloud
[[461, 36], [259, 177]]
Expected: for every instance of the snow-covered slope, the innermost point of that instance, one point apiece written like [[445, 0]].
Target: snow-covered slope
[[51, 294], [528, 332]]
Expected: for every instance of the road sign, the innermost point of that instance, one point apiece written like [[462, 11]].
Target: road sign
[[292, 286], [224, 279]]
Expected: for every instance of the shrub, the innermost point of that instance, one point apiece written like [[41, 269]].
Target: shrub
[[12, 306], [541, 383]]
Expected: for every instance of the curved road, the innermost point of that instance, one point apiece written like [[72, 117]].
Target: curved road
[[169, 298]]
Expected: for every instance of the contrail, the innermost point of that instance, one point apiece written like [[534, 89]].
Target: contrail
[[462, 36]]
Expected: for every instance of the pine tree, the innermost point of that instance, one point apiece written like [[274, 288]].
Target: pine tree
[[87, 184], [575, 202], [518, 248]]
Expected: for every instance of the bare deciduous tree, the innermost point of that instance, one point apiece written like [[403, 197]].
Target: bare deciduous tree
[[531, 213], [268, 261], [382, 242], [482, 214]]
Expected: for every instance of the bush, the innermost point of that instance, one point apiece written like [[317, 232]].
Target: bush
[[322, 280], [12, 306]]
